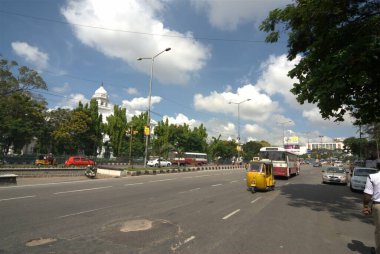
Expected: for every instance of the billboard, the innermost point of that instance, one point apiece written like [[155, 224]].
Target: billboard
[[291, 140]]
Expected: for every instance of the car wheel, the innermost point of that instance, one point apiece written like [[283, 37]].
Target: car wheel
[[352, 189]]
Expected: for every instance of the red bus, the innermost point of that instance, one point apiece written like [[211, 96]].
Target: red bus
[[285, 163], [189, 158]]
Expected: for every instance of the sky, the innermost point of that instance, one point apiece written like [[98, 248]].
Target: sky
[[220, 72]]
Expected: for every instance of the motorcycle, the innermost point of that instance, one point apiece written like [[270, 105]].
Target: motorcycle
[[90, 172]]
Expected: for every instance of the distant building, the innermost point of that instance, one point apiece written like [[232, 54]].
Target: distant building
[[337, 144]]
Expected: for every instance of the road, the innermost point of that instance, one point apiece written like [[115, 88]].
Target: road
[[193, 212]]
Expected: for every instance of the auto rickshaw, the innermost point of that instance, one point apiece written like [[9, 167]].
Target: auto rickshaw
[[45, 159], [260, 176]]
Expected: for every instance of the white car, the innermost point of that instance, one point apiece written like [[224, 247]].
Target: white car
[[159, 163], [334, 175], [359, 177]]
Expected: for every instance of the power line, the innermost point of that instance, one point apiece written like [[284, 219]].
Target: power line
[[128, 31]]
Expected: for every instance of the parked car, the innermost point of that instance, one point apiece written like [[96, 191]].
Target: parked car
[[78, 161], [338, 164], [158, 163], [317, 164], [359, 177], [334, 175]]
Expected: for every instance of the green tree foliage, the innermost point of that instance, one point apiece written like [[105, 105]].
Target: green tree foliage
[[339, 41], [45, 141], [116, 128], [251, 149], [137, 123], [169, 137], [222, 151], [81, 133], [21, 112]]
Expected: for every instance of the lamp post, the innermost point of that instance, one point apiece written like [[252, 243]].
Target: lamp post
[[320, 153], [238, 137], [149, 100], [238, 103], [283, 131]]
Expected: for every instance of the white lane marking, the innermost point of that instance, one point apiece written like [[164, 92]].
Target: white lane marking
[[79, 213], [234, 181], [216, 185], [189, 239], [130, 184], [163, 180], [287, 183], [229, 215], [5, 199], [188, 177], [189, 190], [42, 184], [253, 201], [99, 188], [201, 176]]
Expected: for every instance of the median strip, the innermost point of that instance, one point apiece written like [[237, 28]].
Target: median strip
[[231, 214], [99, 188]]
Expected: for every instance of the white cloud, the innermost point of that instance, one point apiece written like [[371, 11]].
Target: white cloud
[[32, 55], [72, 101], [132, 91], [275, 79], [259, 108], [61, 89], [138, 105], [314, 117], [181, 119], [228, 15], [141, 17]]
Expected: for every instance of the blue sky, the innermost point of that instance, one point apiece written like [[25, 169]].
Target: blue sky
[[218, 55]]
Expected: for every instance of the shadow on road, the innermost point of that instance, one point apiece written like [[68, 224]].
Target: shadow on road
[[359, 247], [338, 200]]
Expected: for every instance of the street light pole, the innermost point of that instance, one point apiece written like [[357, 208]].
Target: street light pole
[[238, 137], [238, 104], [283, 131], [149, 100]]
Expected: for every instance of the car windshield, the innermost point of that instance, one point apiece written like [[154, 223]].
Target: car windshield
[[335, 170], [364, 171]]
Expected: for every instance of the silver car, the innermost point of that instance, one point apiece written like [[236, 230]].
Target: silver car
[[334, 175], [359, 177]]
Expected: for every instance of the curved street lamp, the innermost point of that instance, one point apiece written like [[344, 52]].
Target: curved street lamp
[[150, 99]]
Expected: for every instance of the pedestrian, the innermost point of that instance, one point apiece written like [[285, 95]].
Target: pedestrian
[[372, 193]]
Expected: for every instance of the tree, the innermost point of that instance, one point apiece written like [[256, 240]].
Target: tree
[[21, 112], [251, 149], [339, 41], [116, 128], [53, 119]]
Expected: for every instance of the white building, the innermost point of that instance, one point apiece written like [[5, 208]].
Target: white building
[[105, 108]]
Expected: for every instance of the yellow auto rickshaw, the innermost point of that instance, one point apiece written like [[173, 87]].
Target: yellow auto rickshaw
[[260, 176]]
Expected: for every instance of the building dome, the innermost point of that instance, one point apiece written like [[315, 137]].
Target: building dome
[[100, 93]]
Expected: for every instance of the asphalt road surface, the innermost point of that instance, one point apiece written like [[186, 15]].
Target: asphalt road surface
[[193, 212]]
